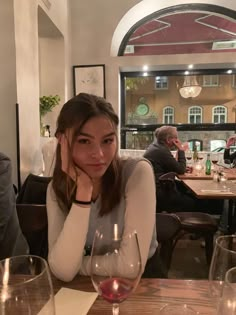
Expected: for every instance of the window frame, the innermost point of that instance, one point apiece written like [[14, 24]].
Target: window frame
[[195, 107], [210, 84], [219, 114], [168, 115]]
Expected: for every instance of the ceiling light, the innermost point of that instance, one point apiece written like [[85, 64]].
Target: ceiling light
[[190, 66], [145, 74], [186, 72], [145, 68], [229, 71], [190, 88]]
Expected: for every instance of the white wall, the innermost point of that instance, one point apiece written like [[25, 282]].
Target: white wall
[[8, 83], [27, 71]]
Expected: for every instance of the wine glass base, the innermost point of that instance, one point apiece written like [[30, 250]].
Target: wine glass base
[[177, 309]]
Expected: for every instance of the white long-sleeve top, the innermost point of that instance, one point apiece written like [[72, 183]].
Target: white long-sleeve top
[[69, 233]]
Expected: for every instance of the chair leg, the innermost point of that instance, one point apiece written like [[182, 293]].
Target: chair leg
[[166, 252], [209, 247]]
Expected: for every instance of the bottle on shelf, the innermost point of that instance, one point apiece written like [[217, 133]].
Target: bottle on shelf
[[195, 154], [208, 165]]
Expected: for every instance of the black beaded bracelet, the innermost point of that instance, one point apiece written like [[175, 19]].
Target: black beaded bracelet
[[82, 202]]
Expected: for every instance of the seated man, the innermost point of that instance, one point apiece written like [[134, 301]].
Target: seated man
[[159, 154], [230, 158], [179, 198], [12, 241]]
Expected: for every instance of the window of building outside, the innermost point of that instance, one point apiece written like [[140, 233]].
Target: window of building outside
[[195, 115], [161, 83], [145, 106], [219, 114], [168, 115], [210, 80]]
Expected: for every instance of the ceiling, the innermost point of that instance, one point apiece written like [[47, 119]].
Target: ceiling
[[183, 33]]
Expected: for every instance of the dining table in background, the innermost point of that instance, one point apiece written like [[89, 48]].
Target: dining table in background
[[206, 189], [150, 296], [230, 173]]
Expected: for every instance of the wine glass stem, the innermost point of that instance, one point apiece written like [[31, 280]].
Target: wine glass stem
[[115, 309]]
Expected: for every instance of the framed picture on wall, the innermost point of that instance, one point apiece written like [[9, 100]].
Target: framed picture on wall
[[89, 79]]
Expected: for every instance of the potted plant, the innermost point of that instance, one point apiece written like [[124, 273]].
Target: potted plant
[[46, 104]]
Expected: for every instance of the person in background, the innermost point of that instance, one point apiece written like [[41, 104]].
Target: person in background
[[92, 185], [159, 154], [230, 158], [12, 241]]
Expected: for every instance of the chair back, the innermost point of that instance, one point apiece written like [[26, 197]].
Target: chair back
[[34, 190], [167, 182], [33, 223]]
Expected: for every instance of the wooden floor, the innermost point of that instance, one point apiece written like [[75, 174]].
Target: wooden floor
[[189, 261]]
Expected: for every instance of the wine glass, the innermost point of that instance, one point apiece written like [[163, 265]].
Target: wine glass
[[223, 180], [177, 309], [26, 286], [227, 304], [115, 264], [189, 156], [224, 258], [214, 160]]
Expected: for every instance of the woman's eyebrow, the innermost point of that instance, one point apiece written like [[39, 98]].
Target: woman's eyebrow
[[90, 136]]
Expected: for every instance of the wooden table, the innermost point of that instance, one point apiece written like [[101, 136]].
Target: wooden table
[[150, 296], [231, 174], [205, 189], [201, 188]]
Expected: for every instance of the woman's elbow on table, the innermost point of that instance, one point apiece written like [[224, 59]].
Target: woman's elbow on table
[[64, 271]]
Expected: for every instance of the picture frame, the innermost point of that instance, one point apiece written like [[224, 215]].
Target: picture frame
[[89, 79]]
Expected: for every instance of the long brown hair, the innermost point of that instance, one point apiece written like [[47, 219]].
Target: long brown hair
[[74, 114]]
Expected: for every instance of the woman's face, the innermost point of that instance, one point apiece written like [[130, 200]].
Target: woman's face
[[95, 147]]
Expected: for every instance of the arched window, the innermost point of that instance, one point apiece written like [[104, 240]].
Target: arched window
[[219, 114], [168, 115], [195, 115]]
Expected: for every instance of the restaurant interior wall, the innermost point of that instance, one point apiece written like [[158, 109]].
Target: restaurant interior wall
[[20, 76], [8, 83]]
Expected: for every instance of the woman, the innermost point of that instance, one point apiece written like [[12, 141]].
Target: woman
[[92, 185]]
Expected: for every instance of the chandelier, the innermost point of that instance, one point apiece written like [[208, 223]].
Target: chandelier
[[190, 88]]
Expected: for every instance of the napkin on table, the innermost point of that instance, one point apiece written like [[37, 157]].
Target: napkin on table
[[72, 302]]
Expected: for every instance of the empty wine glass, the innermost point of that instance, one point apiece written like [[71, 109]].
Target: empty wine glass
[[177, 309], [115, 264], [224, 258], [227, 304], [223, 180], [25, 286]]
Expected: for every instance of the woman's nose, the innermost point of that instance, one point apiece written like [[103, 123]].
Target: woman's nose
[[97, 151]]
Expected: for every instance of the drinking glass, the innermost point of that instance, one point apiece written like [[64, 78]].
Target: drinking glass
[[26, 286], [227, 304], [224, 258], [214, 160], [189, 156], [177, 309], [223, 180], [115, 264]]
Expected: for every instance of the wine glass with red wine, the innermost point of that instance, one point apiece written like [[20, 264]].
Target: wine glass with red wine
[[214, 160], [115, 264]]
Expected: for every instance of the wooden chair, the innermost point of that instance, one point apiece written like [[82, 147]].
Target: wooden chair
[[197, 223], [32, 214], [33, 223], [168, 227]]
